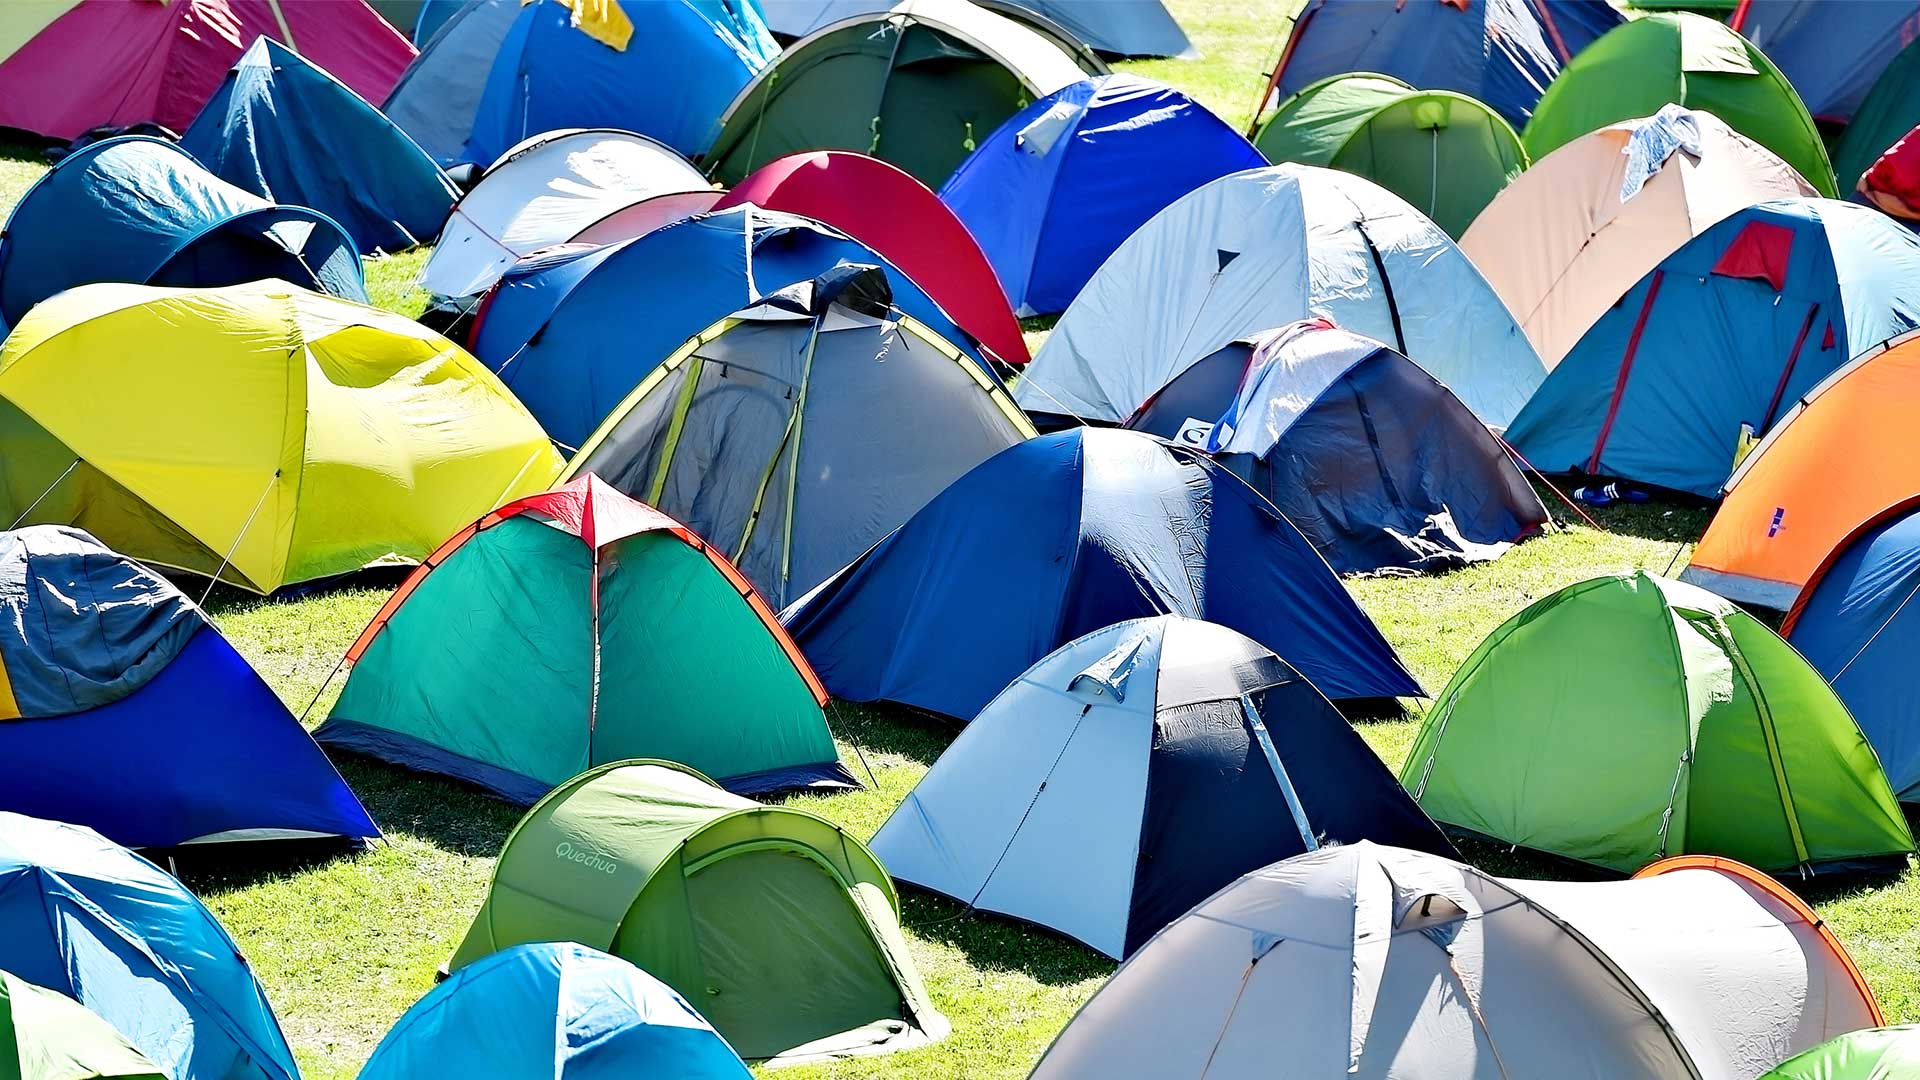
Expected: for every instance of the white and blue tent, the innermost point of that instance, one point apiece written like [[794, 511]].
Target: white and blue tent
[[1269, 247]]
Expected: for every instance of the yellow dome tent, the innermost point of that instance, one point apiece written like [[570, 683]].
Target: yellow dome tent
[[258, 433]]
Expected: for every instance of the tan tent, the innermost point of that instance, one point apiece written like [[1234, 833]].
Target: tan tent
[[1561, 244]]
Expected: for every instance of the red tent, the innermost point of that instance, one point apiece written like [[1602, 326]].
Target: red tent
[[897, 216], [66, 68], [1893, 183]]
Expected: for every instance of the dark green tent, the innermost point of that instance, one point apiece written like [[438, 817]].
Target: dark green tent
[[1891, 109]]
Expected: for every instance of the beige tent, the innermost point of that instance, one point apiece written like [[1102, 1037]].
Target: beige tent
[[1376, 962], [1561, 244]]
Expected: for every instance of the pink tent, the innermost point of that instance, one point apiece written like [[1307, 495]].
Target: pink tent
[[67, 66], [1893, 183]]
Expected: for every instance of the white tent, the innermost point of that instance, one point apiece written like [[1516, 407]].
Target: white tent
[[1568, 238], [1373, 962], [543, 192], [1268, 247]]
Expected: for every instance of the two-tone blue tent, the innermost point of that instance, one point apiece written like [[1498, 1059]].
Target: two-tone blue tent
[[124, 710], [574, 332], [499, 71], [1055, 189], [288, 131], [1061, 535], [1502, 52], [1707, 351], [119, 935], [142, 210], [557, 1012]]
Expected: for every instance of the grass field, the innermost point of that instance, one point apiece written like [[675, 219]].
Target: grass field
[[344, 943]]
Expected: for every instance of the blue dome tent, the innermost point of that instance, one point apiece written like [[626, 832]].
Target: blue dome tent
[[554, 1011], [124, 710], [575, 331], [1060, 535], [499, 71], [141, 210], [1712, 347], [122, 937], [288, 131], [1055, 189]]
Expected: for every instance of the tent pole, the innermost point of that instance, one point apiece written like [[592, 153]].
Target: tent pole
[[30, 506], [272, 481]]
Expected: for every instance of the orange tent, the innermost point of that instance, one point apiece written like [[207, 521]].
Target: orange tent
[[1784, 509]]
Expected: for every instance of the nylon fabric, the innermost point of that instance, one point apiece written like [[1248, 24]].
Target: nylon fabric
[[48, 1036]]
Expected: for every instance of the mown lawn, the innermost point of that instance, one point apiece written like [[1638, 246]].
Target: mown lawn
[[344, 943]]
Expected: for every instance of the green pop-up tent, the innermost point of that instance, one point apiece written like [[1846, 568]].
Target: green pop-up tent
[[45, 1035], [1629, 718], [781, 927], [1445, 153], [1689, 60], [1891, 1053]]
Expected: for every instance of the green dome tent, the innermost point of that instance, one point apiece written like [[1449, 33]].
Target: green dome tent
[[784, 929], [1890, 110], [46, 1035], [1874, 1054], [1628, 718], [1445, 153], [1689, 60]]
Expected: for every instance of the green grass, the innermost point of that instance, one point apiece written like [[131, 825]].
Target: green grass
[[344, 943]]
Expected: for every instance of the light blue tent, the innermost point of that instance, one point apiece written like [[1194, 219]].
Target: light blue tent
[[553, 1012], [1715, 344], [573, 333], [142, 210], [1055, 189], [122, 937], [499, 71], [288, 131]]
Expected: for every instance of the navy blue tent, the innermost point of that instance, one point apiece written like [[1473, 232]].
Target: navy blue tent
[[1061, 535], [499, 71], [124, 710], [117, 934], [1830, 50], [1118, 28], [575, 332], [1055, 189], [432, 16], [288, 131], [556, 1012], [1502, 52], [1369, 456], [1857, 623], [141, 210]]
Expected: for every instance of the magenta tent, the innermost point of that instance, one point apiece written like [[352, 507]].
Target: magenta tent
[[69, 66]]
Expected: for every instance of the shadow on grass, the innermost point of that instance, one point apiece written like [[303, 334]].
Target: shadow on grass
[[1676, 519], [885, 728], [995, 943], [225, 599]]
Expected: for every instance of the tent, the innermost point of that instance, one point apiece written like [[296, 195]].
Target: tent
[[69, 66], [1855, 623], [1116, 28], [1443, 152], [573, 336], [1502, 52], [1599, 213], [1714, 346], [1783, 514], [124, 710], [501, 71], [1370, 457], [897, 216], [99, 924], [259, 433], [1373, 962], [940, 75], [1830, 50], [637, 219], [1056, 189], [800, 431], [1106, 790], [544, 192], [1872, 1054], [589, 628], [1264, 248], [1652, 718], [289, 132], [784, 926], [142, 210], [559, 1011], [49, 1036], [1688, 60], [1892, 184], [1889, 111], [1111, 525]]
